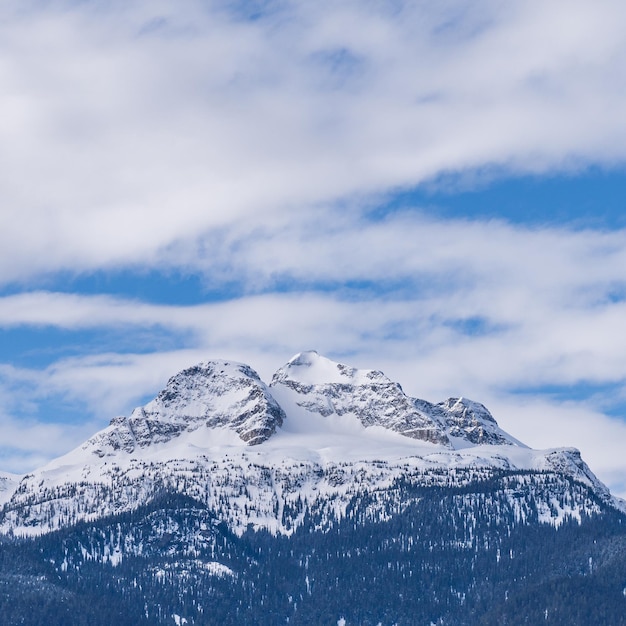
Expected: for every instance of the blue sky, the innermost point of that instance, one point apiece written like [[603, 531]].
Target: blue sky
[[434, 191]]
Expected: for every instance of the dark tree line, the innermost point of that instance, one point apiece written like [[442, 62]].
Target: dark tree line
[[408, 556]]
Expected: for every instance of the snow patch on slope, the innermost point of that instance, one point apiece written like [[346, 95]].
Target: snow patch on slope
[[8, 484]]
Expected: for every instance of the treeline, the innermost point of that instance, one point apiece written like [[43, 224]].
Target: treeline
[[408, 556]]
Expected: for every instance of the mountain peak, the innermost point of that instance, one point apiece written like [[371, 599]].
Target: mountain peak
[[325, 388], [217, 397], [211, 394], [311, 368]]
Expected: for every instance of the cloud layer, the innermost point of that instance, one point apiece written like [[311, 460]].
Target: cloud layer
[[130, 129]]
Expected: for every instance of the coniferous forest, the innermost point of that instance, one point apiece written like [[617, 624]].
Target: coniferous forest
[[435, 555]]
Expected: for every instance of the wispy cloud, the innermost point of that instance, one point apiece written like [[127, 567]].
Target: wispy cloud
[[130, 128], [484, 309], [20, 453], [553, 297]]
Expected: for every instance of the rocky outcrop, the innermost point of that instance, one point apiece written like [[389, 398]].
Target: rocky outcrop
[[322, 386], [212, 394]]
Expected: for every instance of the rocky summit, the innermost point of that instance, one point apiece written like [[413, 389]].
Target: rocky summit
[[214, 394]]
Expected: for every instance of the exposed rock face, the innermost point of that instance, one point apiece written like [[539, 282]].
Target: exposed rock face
[[466, 420], [211, 394], [223, 394], [321, 386], [472, 421]]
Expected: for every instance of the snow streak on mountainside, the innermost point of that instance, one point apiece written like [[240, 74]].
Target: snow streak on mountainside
[[319, 437]]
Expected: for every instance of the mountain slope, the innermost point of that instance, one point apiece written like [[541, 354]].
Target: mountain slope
[[444, 555]]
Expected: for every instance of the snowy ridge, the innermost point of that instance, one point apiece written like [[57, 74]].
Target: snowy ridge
[[321, 435], [466, 422], [256, 487], [320, 386]]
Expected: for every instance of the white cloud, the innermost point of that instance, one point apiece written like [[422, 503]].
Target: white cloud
[[27, 443], [546, 302], [130, 128]]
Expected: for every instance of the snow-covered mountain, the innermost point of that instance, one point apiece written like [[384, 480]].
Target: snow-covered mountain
[[328, 496], [318, 386], [264, 456]]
